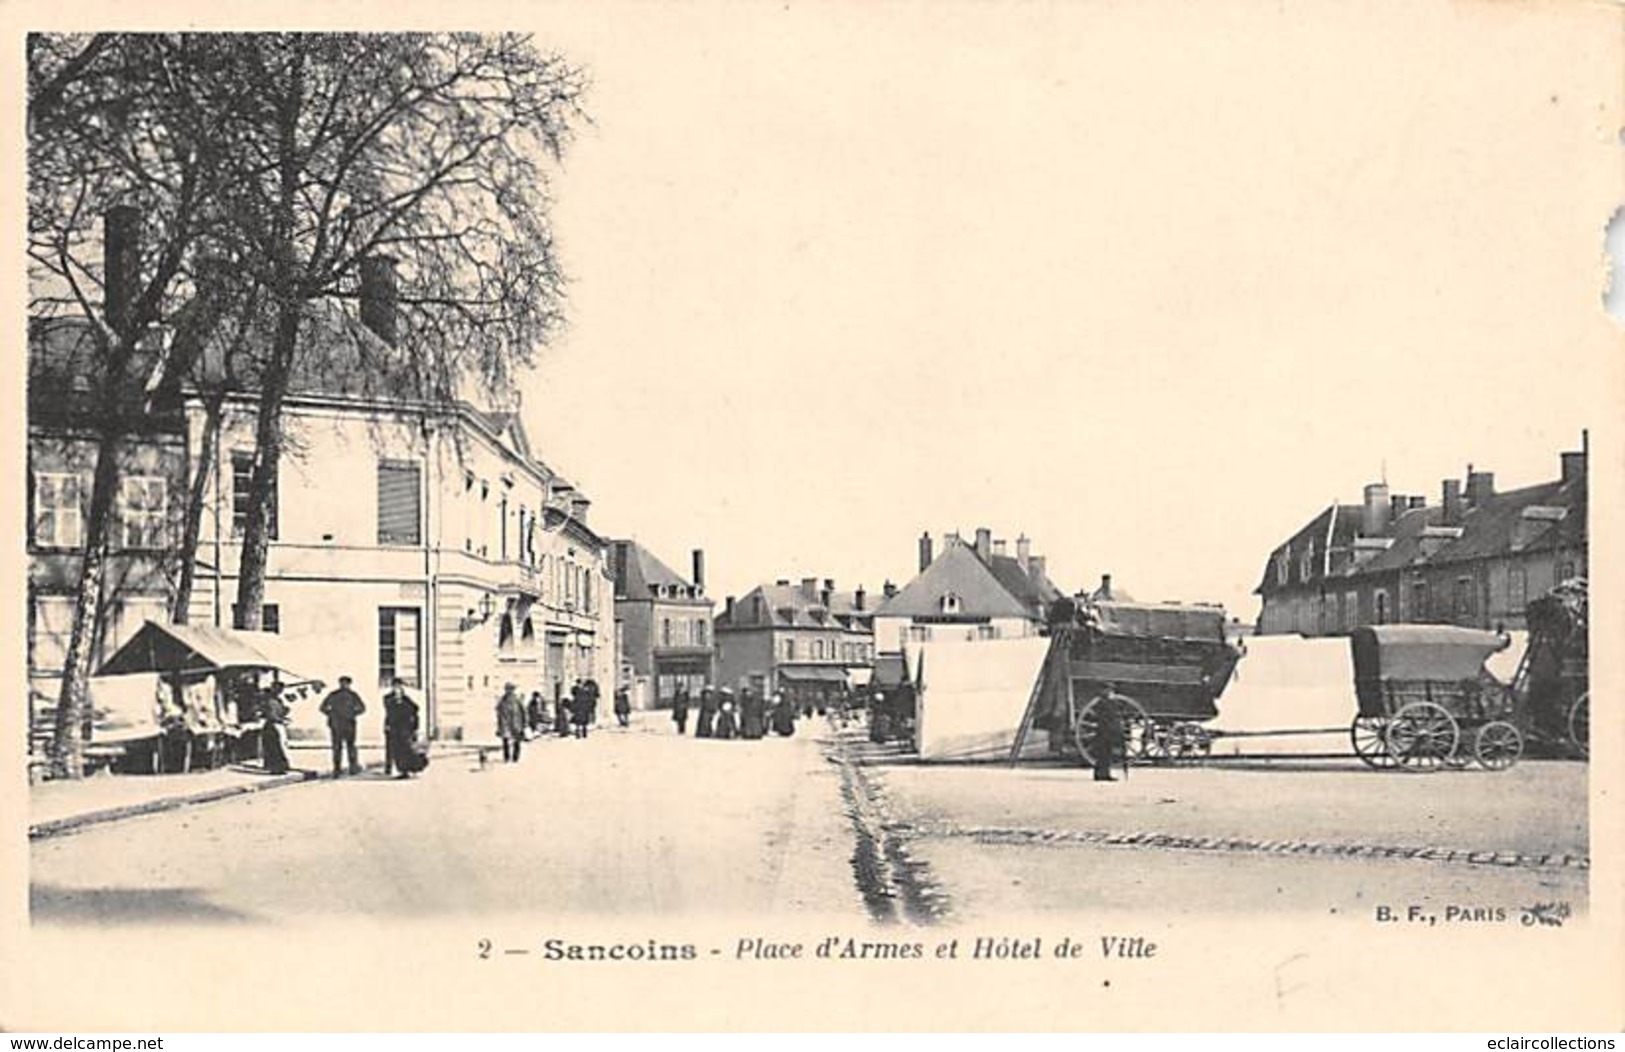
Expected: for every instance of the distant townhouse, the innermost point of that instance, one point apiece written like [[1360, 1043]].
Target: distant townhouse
[[808, 640], [968, 591], [1475, 559], [410, 539], [665, 625]]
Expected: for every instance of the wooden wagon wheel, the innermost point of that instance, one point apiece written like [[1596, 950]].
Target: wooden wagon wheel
[[1580, 724], [1368, 734], [1497, 745], [1136, 727], [1158, 742], [1422, 735]]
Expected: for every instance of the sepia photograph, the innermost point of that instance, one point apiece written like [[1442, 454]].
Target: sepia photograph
[[1045, 516]]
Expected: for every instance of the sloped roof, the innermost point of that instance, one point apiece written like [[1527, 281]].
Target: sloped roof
[[982, 589], [645, 573], [1406, 532], [789, 606], [1491, 526]]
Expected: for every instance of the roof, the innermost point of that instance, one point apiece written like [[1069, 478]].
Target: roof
[[994, 587], [646, 577], [791, 606], [184, 648], [1541, 517], [1497, 524]]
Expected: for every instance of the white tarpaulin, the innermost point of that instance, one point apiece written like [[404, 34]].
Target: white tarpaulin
[[126, 708], [1290, 683], [973, 696]]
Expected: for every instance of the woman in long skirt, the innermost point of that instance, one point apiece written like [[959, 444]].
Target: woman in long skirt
[[726, 727]]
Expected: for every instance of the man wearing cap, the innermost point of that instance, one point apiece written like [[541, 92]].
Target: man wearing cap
[[341, 708], [510, 723]]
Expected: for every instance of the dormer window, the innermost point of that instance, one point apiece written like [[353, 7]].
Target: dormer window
[[1306, 566], [949, 603], [1283, 569]]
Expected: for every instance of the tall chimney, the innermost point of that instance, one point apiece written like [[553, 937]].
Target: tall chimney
[[699, 569], [378, 296], [1480, 486], [620, 569], [121, 259], [984, 543], [998, 547], [809, 587], [857, 599], [1374, 521], [1574, 466], [888, 589], [1035, 567], [728, 609], [1398, 505], [1106, 587], [1452, 502], [925, 551], [1024, 550], [825, 596]]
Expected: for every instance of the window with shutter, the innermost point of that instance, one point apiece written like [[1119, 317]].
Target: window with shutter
[[398, 503], [242, 478]]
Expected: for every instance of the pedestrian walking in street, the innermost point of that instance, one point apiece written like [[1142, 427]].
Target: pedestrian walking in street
[[400, 731], [783, 716], [536, 714], [752, 722], [561, 713], [342, 708], [1107, 740], [679, 710], [510, 723], [580, 709], [273, 746], [727, 726], [705, 726], [623, 707], [593, 696]]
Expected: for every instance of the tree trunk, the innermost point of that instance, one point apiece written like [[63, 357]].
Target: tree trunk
[[208, 454], [72, 709], [267, 452]]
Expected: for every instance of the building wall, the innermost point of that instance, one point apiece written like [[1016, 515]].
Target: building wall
[[482, 546], [892, 632], [742, 653]]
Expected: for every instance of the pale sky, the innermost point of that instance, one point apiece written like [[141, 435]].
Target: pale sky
[[1152, 284]]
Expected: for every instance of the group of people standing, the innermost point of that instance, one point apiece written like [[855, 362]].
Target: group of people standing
[[573, 716], [343, 709], [720, 715]]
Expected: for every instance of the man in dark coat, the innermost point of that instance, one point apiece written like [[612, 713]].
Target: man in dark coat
[[342, 707], [1107, 742], [580, 708], [536, 713], [400, 731], [679, 709], [751, 724], [510, 723], [623, 707], [706, 725]]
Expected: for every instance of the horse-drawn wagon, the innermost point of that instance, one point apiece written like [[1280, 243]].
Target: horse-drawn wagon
[[1426, 700]]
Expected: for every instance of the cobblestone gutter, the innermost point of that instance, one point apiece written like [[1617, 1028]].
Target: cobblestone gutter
[[895, 886], [996, 835]]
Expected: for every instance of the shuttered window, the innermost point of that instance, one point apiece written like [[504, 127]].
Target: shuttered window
[[399, 489]]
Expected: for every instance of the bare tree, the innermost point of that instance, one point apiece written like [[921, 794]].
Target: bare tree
[[416, 161], [109, 136]]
